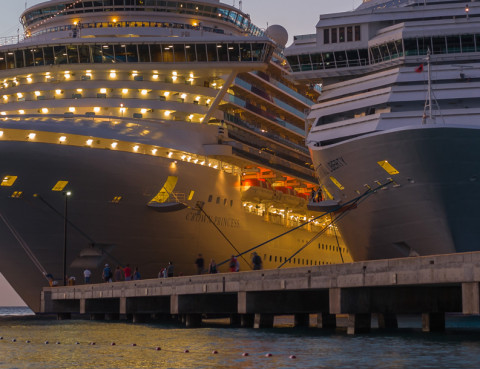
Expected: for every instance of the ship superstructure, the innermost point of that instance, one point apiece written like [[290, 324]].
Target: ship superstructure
[[143, 132], [399, 105]]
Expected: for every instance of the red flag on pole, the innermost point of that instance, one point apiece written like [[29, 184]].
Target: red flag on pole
[[419, 69]]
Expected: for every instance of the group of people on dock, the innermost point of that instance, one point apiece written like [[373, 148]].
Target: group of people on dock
[[126, 273]]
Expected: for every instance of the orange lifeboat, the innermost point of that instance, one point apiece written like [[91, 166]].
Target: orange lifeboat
[[255, 190]]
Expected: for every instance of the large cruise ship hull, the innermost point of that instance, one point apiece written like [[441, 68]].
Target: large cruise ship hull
[[431, 208], [32, 227]]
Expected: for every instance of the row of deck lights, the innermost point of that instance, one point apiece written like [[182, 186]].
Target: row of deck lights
[[113, 74]]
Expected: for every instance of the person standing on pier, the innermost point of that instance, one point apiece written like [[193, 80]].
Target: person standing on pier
[[136, 275], [107, 273], [256, 261], [170, 269], [200, 263], [212, 268], [127, 271], [86, 275], [118, 276]]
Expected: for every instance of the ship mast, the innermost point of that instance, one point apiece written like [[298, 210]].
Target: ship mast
[[430, 100]]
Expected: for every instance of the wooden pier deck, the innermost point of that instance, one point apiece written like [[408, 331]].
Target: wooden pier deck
[[428, 285]]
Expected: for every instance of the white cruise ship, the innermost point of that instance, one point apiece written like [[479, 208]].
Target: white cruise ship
[[144, 131], [377, 121]]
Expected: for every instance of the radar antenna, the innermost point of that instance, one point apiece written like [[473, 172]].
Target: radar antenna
[[240, 3]]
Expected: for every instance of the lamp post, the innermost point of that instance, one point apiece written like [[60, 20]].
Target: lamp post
[[65, 226]]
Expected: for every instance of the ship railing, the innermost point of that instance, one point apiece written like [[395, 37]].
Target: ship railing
[[11, 40]]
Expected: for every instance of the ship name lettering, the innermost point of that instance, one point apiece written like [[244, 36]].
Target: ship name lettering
[[336, 164], [218, 221]]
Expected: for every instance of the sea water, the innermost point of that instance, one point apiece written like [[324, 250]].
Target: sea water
[[37, 342]]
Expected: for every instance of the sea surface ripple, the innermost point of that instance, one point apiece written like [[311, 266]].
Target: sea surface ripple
[[37, 342]]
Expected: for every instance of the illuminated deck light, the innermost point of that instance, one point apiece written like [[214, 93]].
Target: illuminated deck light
[[5, 97], [89, 142], [113, 74], [71, 109], [170, 154], [143, 111], [67, 75], [190, 116], [183, 96], [31, 136], [167, 113], [197, 98], [125, 91], [44, 110], [58, 92], [79, 89], [37, 93], [1, 133], [29, 79], [135, 148], [166, 94], [154, 151], [19, 95], [97, 109], [21, 112], [114, 145], [63, 138], [103, 90], [3, 113], [183, 157], [155, 76], [144, 92]]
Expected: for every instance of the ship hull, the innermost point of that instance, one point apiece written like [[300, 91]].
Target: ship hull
[[432, 206], [32, 227]]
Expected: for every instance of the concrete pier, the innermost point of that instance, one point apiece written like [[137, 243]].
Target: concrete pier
[[429, 286]]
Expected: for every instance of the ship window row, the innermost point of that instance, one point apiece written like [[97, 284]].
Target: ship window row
[[219, 201], [438, 45], [181, 7], [133, 53], [295, 261], [77, 28], [341, 34], [352, 114]]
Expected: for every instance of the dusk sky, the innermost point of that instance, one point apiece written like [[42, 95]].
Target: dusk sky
[[298, 17]]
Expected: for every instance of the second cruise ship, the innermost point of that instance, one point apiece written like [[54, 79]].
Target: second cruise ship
[[399, 108]]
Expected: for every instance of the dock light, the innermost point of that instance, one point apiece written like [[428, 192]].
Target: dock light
[[144, 92], [96, 109], [21, 112], [114, 144], [58, 92], [125, 91], [135, 148], [31, 136], [37, 93], [113, 74], [71, 109], [44, 110], [63, 138], [89, 142]]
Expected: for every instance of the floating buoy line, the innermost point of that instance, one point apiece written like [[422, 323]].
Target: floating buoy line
[[154, 348]]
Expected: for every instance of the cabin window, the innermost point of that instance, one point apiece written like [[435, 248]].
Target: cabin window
[[341, 34], [349, 34], [210, 198], [333, 34], [358, 36], [218, 200], [326, 36]]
